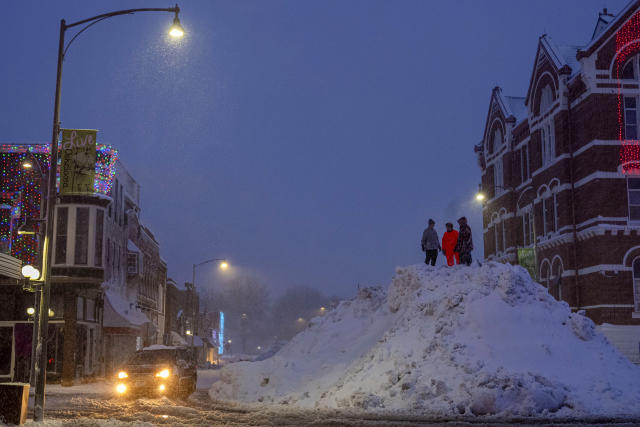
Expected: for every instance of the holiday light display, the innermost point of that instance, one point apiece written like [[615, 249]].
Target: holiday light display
[[22, 190], [627, 44]]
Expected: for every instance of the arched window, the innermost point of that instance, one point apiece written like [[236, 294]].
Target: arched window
[[630, 69], [556, 271], [545, 273], [497, 138], [527, 226], [546, 98], [495, 219], [636, 284], [548, 141]]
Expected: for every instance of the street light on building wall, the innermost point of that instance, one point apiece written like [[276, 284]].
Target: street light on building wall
[[481, 195], [175, 31]]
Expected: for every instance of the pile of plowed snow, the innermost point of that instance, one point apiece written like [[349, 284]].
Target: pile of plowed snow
[[461, 340]]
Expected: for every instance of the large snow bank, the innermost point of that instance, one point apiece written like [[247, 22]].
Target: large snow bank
[[462, 340]]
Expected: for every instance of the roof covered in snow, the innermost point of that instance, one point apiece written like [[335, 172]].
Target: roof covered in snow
[[120, 311], [131, 247]]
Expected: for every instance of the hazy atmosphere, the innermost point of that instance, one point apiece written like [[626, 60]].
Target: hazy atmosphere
[[307, 142]]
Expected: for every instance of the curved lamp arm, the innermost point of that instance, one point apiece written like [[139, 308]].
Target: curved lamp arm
[[95, 19]]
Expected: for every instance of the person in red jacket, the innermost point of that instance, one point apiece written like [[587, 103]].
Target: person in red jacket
[[449, 240]]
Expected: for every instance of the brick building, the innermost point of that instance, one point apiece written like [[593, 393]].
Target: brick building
[[560, 171]]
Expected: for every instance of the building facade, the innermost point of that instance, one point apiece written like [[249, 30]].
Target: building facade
[[560, 171], [92, 296]]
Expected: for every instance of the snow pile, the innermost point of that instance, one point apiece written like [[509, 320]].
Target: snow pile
[[464, 340]]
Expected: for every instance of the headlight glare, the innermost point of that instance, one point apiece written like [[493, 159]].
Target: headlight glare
[[163, 374], [121, 388], [122, 375]]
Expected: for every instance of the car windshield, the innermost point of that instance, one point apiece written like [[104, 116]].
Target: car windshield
[[153, 357]]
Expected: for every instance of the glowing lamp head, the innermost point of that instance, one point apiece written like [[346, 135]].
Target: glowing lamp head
[[30, 272], [163, 374], [480, 197], [27, 164], [31, 311], [51, 313], [187, 332], [224, 265], [162, 387], [176, 31], [122, 375]]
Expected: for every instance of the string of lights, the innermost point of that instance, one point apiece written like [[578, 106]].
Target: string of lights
[[627, 44], [21, 192]]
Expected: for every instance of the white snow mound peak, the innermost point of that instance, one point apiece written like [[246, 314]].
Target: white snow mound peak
[[476, 340]]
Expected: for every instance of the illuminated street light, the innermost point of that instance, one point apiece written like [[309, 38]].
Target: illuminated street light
[[223, 266], [176, 31], [480, 197], [27, 164], [188, 332], [41, 358], [31, 311], [30, 272]]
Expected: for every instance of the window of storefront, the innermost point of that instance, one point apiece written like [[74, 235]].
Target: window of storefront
[[82, 236], [90, 309], [80, 308], [97, 254], [61, 236]]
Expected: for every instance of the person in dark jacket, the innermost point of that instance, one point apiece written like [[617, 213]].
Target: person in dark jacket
[[465, 242], [431, 243]]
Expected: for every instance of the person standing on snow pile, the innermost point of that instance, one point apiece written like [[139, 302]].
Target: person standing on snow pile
[[465, 243], [449, 241], [431, 243]]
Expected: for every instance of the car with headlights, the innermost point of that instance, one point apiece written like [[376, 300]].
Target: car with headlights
[[158, 370]]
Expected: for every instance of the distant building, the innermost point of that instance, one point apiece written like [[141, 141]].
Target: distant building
[[135, 285], [560, 170]]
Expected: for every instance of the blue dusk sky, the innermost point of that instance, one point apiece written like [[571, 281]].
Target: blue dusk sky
[[306, 141]]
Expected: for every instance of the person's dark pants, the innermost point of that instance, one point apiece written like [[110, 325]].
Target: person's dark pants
[[465, 258], [432, 255]]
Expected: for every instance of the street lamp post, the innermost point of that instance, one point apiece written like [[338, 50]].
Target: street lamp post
[[43, 324], [223, 265]]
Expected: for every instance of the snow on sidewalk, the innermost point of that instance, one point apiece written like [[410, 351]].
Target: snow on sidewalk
[[463, 340]]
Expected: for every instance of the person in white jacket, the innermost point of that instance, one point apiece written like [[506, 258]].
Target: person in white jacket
[[431, 243]]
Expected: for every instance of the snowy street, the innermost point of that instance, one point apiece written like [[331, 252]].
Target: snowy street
[[100, 409], [95, 405]]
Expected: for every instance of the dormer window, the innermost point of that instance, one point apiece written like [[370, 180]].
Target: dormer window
[[546, 98]]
